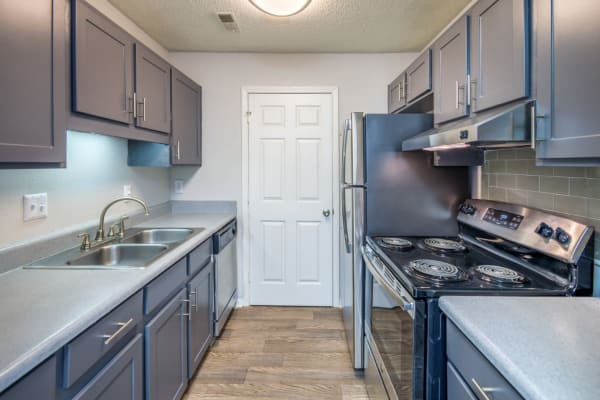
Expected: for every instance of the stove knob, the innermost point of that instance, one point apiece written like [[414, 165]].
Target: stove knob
[[468, 209], [561, 236], [544, 230]]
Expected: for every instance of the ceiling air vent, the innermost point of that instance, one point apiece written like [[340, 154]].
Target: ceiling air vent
[[228, 21]]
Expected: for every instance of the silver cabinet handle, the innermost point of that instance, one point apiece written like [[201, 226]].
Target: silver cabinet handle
[[456, 105], [194, 304], [187, 314], [481, 390], [468, 84], [400, 91], [123, 327], [473, 91], [326, 213], [144, 108], [178, 153], [134, 106], [533, 126]]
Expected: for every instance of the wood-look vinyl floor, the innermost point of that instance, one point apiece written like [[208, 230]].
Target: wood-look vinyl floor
[[279, 353]]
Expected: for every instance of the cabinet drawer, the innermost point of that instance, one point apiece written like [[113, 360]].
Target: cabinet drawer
[[456, 387], [85, 350], [475, 368], [121, 379], [159, 289], [38, 384], [199, 257]]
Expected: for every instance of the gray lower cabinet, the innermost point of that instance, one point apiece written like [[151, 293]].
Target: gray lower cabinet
[[450, 70], [418, 77], [200, 291], [567, 78], [32, 81], [499, 52], [397, 93], [186, 126], [153, 91], [102, 66], [166, 350], [38, 384], [121, 378], [470, 373]]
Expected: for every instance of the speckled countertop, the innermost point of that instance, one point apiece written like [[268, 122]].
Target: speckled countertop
[[42, 310], [547, 347]]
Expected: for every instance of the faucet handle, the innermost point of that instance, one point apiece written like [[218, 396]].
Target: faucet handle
[[111, 231], [122, 225], [86, 244]]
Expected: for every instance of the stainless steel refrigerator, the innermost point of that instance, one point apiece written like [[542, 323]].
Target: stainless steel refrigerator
[[385, 191]]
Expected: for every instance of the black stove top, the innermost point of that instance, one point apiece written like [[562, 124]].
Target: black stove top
[[435, 266]]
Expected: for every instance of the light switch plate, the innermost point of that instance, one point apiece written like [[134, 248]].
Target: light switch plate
[[35, 206], [126, 190], [178, 186]]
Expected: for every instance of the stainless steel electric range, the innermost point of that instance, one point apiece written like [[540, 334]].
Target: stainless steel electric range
[[502, 249]]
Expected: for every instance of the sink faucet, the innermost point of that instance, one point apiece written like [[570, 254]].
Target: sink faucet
[[100, 232]]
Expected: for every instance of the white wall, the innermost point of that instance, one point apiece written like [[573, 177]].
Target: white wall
[[95, 174], [361, 78]]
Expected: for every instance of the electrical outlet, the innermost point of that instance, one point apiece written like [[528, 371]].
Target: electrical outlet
[[126, 190], [35, 206], [178, 186]]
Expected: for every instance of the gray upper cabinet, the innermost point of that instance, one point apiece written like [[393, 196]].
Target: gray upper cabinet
[[186, 127], [499, 52], [567, 79], [152, 88], [397, 93], [102, 66], [32, 81], [450, 70], [418, 77]]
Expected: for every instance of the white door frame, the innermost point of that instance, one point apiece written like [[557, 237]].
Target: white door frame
[[244, 300]]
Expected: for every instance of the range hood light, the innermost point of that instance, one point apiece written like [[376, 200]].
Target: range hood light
[[447, 147], [280, 8]]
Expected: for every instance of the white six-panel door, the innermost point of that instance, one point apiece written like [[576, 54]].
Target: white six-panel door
[[290, 192]]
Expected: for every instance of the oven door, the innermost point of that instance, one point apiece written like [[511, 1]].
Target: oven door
[[395, 331]]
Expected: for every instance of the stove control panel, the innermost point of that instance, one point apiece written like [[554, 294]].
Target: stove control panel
[[503, 218]]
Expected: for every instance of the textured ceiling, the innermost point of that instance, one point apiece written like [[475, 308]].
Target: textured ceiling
[[324, 26]]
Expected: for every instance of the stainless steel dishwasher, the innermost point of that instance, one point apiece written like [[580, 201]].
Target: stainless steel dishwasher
[[225, 275]]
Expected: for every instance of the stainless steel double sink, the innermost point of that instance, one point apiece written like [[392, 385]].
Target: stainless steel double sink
[[137, 249]]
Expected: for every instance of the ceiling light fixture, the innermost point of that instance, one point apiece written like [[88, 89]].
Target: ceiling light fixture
[[280, 8]]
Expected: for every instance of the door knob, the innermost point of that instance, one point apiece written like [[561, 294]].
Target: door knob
[[326, 213]]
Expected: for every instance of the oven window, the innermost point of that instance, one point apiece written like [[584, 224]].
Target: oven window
[[392, 332]]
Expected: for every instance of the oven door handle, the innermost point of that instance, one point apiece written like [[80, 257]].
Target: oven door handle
[[398, 294]]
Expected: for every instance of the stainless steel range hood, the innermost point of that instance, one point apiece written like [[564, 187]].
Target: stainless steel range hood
[[506, 126]]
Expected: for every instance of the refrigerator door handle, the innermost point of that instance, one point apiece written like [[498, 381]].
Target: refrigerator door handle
[[347, 129], [345, 221]]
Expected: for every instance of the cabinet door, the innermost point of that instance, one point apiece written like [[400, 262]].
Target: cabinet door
[[567, 56], [32, 81], [200, 291], [418, 77], [499, 52], [186, 127], [38, 384], [397, 93], [166, 351], [450, 65], [102, 66], [121, 378], [153, 90]]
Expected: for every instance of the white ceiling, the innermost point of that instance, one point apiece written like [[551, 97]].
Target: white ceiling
[[342, 26]]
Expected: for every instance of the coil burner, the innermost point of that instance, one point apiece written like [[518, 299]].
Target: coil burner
[[435, 270], [444, 245], [393, 243], [497, 274]]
